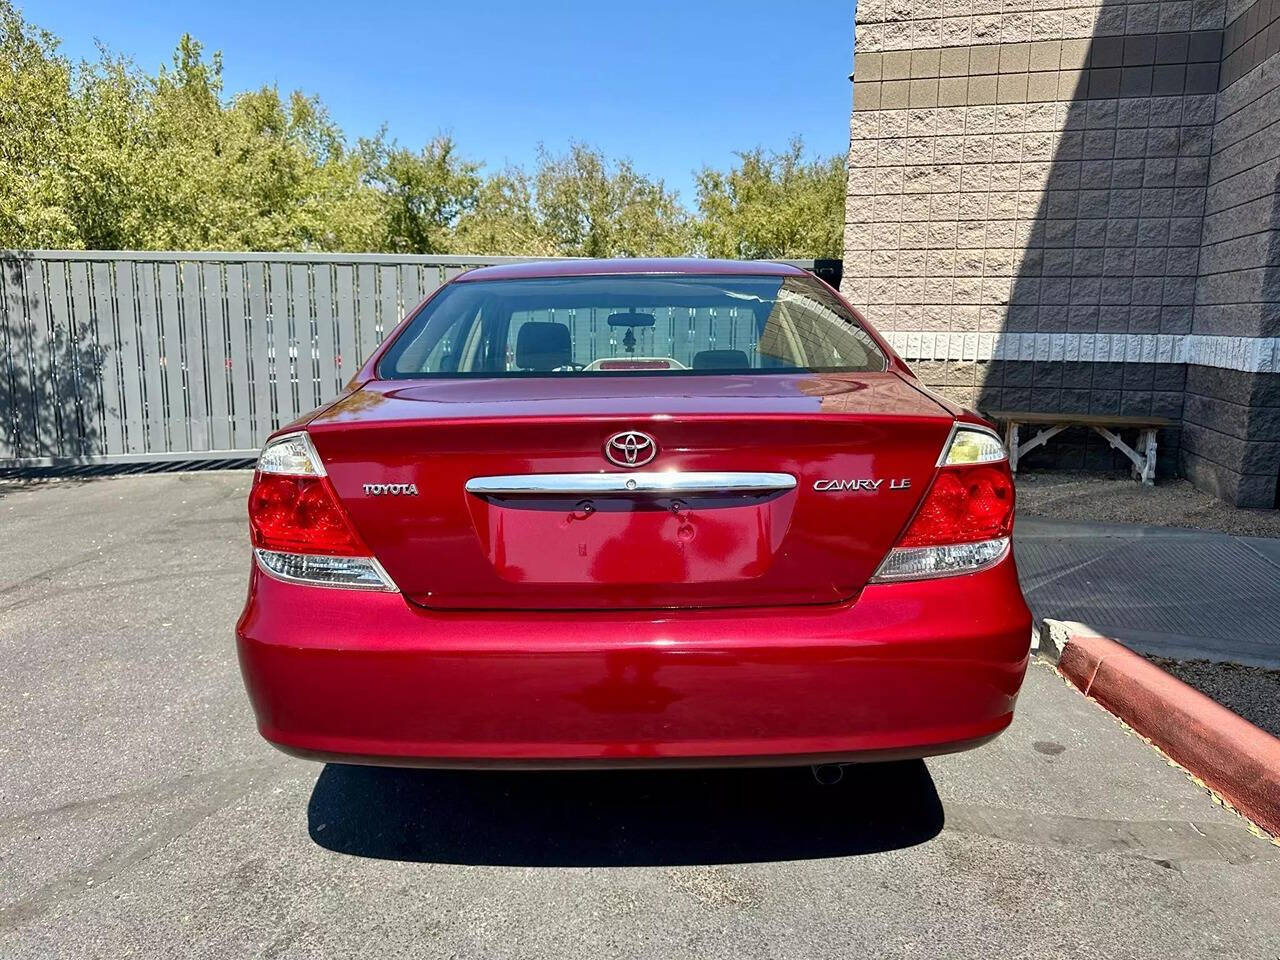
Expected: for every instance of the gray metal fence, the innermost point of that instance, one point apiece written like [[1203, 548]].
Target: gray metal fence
[[152, 356], [127, 356]]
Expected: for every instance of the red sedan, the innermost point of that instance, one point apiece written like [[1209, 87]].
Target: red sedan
[[615, 512]]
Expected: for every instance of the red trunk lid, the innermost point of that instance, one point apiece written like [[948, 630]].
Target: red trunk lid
[[449, 548]]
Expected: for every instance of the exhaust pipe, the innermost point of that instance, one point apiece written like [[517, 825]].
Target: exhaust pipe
[[827, 774]]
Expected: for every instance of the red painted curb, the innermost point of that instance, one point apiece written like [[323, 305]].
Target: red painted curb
[[1233, 757]]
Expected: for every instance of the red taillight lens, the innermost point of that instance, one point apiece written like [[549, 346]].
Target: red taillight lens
[[964, 505], [300, 515]]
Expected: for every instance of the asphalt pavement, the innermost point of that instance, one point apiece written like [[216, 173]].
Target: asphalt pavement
[[141, 815]]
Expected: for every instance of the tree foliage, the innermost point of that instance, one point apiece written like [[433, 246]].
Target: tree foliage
[[773, 205], [504, 220], [102, 155], [591, 208], [34, 129], [423, 195]]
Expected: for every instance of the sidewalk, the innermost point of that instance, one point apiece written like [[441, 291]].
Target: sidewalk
[[1172, 592]]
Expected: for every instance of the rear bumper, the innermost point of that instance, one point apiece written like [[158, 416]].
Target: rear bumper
[[908, 670]]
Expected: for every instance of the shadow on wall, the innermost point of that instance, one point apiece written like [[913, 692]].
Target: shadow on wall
[[1267, 388], [1113, 245], [50, 390]]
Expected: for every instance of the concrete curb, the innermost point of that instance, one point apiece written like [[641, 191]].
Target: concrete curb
[[1228, 753]]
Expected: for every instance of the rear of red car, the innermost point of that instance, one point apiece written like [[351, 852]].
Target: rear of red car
[[688, 512]]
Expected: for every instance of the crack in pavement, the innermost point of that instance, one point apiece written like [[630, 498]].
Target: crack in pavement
[[108, 548], [178, 574], [228, 787], [1167, 841], [162, 788]]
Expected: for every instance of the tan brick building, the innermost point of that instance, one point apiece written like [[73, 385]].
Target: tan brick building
[[1062, 205]]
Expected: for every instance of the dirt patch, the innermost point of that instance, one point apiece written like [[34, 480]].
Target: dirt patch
[[1252, 692], [1110, 499]]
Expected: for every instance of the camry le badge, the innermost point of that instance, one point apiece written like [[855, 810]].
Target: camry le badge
[[631, 448], [899, 483], [395, 489]]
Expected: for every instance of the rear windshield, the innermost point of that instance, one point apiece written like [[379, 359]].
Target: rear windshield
[[634, 324]]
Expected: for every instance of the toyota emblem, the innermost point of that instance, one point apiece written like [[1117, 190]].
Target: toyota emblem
[[631, 448]]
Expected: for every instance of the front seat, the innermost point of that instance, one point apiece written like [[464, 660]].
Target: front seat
[[543, 346]]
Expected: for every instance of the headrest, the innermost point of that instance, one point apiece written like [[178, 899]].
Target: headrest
[[721, 360], [543, 346]]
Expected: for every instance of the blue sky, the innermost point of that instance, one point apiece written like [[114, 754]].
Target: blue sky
[[672, 85]]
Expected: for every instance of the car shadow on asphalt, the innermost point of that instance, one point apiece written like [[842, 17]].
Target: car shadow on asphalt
[[620, 818]]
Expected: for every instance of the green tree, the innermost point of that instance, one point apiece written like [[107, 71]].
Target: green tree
[[591, 208], [101, 155], [35, 111], [504, 220], [423, 195], [104, 155], [772, 205], [259, 173]]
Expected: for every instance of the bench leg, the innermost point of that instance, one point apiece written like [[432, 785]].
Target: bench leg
[[1148, 442], [1043, 437], [1144, 464], [1011, 445]]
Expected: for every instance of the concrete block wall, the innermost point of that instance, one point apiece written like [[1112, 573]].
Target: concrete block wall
[[1028, 187], [1232, 417]]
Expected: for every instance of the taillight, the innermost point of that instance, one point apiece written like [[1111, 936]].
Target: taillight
[[966, 517], [964, 505], [299, 529], [300, 514]]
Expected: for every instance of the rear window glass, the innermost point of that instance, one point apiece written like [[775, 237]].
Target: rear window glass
[[633, 324]]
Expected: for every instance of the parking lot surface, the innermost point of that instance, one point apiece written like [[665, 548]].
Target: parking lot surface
[[141, 815]]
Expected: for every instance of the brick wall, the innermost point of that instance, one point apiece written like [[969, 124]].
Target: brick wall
[[1038, 173]]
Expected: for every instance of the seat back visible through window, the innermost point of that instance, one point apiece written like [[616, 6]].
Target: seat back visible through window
[[543, 346]]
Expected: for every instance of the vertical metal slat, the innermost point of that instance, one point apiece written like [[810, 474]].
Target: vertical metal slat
[[177, 407], [87, 371], [131, 412], [39, 411], [260, 351], [410, 285], [243, 434], [326, 347], [348, 344], [388, 300], [282, 343], [217, 359], [303, 336], [11, 312], [149, 344], [62, 359], [105, 326], [432, 279], [366, 312], [194, 352]]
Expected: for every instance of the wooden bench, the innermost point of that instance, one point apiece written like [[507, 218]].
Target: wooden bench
[[1106, 425]]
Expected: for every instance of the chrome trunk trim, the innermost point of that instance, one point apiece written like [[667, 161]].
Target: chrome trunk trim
[[651, 481]]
